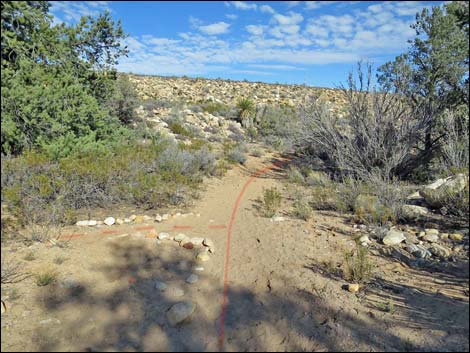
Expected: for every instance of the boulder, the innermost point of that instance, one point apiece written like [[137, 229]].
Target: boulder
[[436, 193], [412, 212], [393, 237]]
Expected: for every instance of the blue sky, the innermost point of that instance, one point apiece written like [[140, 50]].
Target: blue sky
[[304, 42]]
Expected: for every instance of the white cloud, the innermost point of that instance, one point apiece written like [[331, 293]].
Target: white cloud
[[284, 42], [312, 5], [72, 11], [267, 9], [215, 28], [291, 4], [231, 16], [243, 5], [256, 30], [292, 19]]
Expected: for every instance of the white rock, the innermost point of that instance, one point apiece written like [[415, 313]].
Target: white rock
[[199, 268], [180, 237], [92, 223], [162, 236], [165, 217], [82, 223], [207, 242], [414, 212], [147, 218], [109, 221], [127, 220], [278, 219], [119, 221], [180, 312], [161, 286], [393, 237], [158, 218], [192, 279], [197, 241]]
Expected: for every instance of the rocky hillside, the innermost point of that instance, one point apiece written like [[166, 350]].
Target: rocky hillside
[[228, 92]]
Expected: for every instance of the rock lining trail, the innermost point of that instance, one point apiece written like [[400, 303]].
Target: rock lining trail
[[264, 288]]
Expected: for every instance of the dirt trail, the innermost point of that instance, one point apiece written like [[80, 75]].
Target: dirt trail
[[279, 296]]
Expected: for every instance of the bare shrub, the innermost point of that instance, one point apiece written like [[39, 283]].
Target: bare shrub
[[455, 145], [377, 135]]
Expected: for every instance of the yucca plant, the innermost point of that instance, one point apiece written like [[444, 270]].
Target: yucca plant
[[246, 107]]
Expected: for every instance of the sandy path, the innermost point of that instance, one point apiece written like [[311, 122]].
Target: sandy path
[[278, 295]]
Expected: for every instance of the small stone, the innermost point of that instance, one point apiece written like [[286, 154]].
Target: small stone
[[440, 251], [278, 219], [127, 220], [432, 231], [147, 218], [109, 221], [393, 237], [162, 236], [82, 223], [139, 219], [432, 238], [419, 251], [203, 256], [180, 312], [364, 240], [353, 288], [456, 236], [209, 243], [180, 237], [4, 307], [197, 241], [199, 268], [158, 218], [173, 292], [178, 214], [192, 279], [69, 283], [421, 234], [119, 221], [444, 236], [165, 217], [414, 212], [188, 245], [161, 286], [133, 217], [92, 223]]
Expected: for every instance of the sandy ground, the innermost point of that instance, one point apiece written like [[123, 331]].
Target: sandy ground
[[280, 294]]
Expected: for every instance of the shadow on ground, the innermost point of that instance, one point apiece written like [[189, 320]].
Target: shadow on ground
[[132, 318]]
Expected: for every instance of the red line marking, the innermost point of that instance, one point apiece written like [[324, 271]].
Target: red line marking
[[145, 228], [71, 236], [218, 226], [109, 232], [229, 237], [182, 227]]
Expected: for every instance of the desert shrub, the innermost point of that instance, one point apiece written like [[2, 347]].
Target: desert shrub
[[150, 104], [277, 127], [377, 135], [45, 278], [217, 108], [295, 176], [455, 145], [123, 101], [236, 155], [302, 209], [178, 128], [46, 192], [271, 202], [357, 265]]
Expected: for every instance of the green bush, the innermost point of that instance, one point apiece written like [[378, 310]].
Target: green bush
[[270, 202], [357, 266]]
